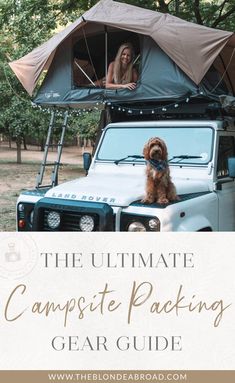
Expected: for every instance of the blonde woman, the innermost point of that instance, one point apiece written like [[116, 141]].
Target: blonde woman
[[121, 74]]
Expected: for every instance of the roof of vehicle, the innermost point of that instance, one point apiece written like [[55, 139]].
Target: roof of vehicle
[[216, 124]]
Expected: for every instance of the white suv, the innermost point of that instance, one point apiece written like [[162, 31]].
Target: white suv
[[108, 199]]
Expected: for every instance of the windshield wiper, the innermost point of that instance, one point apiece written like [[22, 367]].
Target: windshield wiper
[[135, 156], [183, 157]]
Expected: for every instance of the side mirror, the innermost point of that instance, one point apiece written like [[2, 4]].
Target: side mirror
[[231, 167], [86, 161]]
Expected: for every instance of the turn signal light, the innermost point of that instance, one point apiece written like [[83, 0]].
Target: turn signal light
[[21, 223]]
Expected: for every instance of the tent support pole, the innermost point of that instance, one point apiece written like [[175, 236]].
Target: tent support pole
[[106, 51], [85, 74], [228, 77]]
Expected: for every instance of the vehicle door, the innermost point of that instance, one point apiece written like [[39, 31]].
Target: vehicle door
[[225, 185]]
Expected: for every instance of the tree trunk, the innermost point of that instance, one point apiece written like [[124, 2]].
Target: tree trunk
[[197, 12], [163, 7], [9, 138], [24, 142], [42, 145], [18, 149], [177, 7]]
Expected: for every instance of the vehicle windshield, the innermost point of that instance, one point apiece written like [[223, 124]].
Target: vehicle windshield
[[188, 145]]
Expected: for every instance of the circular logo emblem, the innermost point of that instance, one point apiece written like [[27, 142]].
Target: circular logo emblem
[[18, 255]]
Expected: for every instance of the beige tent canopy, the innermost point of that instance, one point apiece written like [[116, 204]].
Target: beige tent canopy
[[192, 47]]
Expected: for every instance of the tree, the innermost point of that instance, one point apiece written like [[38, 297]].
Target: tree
[[24, 24], [88, 125]]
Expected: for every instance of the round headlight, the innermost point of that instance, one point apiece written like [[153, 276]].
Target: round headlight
[[53, 219], [86, 223], [154, 224], [21, 207], [136, 226]]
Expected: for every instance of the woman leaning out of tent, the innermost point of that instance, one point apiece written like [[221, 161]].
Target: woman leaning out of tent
[[121, 73]]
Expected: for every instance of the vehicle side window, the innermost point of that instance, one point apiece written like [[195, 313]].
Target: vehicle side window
[[226, 150]]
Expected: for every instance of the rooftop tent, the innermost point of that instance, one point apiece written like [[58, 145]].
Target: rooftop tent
[[159, 76], [175, 57]]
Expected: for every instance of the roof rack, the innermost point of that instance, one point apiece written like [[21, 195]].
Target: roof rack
[[196, 107]]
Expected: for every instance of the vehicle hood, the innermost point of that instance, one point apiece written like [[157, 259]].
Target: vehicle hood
[[116, 191]]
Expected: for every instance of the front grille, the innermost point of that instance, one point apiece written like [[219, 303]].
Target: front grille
[[69, 221], [70, 214]]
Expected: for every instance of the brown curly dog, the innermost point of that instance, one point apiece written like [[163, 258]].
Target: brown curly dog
[[159, 187]]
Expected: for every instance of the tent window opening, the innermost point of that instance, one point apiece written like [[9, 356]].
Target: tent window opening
[[93, 53], [215, 82]]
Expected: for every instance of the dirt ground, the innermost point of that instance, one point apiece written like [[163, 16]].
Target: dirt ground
[[17, 177]]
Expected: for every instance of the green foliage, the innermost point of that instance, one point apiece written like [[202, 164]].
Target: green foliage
[[211, 13], [27, 22], [17, 116], [87, 124]]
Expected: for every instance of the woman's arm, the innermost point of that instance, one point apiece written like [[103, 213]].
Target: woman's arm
[[134, 75], [109, 80]]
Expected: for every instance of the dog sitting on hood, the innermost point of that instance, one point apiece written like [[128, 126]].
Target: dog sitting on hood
[[159, 187]]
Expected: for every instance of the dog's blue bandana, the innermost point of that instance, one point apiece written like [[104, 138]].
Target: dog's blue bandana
[[158, 165]]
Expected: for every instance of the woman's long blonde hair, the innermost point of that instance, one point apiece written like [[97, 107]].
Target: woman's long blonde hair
[[118, 76]]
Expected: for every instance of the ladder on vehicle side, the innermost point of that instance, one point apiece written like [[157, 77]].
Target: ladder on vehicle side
[[49, 144]]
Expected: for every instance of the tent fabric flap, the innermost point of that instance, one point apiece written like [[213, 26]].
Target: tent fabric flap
[[29, 68]]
